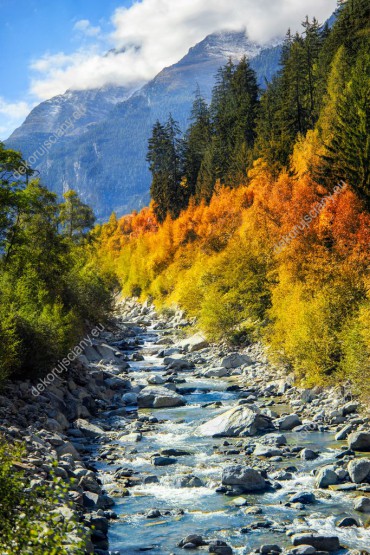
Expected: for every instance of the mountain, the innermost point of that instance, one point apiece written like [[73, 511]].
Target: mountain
[[103, 155]]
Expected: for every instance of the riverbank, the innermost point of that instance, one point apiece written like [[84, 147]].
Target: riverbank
[[177, 444]]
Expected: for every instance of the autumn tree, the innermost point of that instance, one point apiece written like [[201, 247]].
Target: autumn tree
[[76, 217]]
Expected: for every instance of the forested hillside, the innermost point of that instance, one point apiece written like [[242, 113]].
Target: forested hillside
[[50, 285], [259, 223]]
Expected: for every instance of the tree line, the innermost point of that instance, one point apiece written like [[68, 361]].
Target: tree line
[[322, 85], [49, 283]]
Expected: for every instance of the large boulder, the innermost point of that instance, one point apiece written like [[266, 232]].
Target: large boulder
[[235, 360], [188, 481], [288, 422], [359, 470], [240, 421], [266, 451], [88, 429], [220, 372], [178, 362], [362, 505], [359, 441], [321, 543], [244, 477], [326, 477], [193, 343], [159, 397]]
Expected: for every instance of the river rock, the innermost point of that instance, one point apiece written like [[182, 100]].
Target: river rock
[[156, 380], [158, 460], [159, 397], [235, 360], [220, 548], [343, 432], [245, 477], [266, 451], [359, 470], [321, 543], [304, 497], [347, 522], [359, 441], [178, 362], [88, 429], [303, 550], [195, 539], [188, 481], [220, 372], [270, 548], [130, 398], [240, 421], [193, 343], [362, 505], [68, 449], [308, 455], [288, 422], [326, 477], [94, 501], [350, 408]]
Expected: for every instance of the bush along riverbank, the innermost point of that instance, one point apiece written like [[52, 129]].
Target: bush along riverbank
[[165, 444]]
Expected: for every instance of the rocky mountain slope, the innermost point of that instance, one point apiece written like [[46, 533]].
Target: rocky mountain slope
[[102, 153]]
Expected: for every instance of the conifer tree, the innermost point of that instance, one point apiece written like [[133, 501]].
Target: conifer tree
[[197, 139], [348, 156]]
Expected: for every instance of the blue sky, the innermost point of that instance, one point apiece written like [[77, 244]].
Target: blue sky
[[49, 46], [29, 28]]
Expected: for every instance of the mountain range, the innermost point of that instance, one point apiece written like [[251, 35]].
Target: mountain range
[[101, 152]]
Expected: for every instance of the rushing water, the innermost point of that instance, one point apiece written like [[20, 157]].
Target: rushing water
[[206, 512]]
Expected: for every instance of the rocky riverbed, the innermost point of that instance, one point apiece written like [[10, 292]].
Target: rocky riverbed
[[178, 445]]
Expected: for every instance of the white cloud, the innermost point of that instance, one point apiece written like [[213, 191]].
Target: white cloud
[[153, 34], [84, 26], [12, 114], [148, 36]]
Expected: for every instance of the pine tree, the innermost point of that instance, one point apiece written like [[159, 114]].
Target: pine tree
[[348, 156], [76, 218], [197, 139], [165, 157]]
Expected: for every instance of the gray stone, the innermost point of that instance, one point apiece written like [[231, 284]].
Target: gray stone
[[288, 422], [188, 481], [195, 539], [162, 461], [347, 522], [220, 372], [193, 343], [350, 408], [304, 497], [270, 548], [308, 455], [239, 502], [266, 451], [304, 550], [96, 501], [178, 362], [156, 380], [343, 432], [68, 449], [321, 543], [159, 397], [244, 477], [235, 360], [88, 429], [359, 470], [130, 398], [359, 441], [326, 477], [240, 421], [362, 505]]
